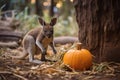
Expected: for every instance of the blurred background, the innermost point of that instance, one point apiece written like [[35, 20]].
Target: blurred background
[[27, 12]]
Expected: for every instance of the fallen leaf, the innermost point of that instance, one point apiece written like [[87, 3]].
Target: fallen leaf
[[34, 67], [88, 77], [50, 70]]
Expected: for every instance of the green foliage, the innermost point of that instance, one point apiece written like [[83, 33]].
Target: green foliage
[[63, 27], [66, 27], [27, 21]]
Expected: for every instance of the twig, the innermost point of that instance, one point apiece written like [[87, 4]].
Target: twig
[[5, 72], [23, 78], [19, 76]]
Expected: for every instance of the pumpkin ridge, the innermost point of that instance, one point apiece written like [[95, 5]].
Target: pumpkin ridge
[[77, 60], [72, 61], [80, 60]]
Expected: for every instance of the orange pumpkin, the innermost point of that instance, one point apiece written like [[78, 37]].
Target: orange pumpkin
[[80, 59]]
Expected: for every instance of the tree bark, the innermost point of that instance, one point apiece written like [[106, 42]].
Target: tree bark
[[51, 8], [99, 27], [38, 6]]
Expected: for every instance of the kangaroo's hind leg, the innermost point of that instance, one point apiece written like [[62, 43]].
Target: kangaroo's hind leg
[[29, 45]]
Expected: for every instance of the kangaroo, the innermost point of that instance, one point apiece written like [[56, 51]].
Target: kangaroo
[[37, 40]]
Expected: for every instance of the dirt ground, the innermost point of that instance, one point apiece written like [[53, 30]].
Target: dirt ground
[[13, 69]]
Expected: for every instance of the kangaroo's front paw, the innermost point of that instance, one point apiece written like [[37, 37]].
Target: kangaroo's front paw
[[43, 59]]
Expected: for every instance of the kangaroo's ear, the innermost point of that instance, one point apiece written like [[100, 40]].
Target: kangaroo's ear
[[41, 21], [53, 21]]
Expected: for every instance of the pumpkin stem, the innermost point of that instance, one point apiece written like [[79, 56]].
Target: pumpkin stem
[[78, 46]]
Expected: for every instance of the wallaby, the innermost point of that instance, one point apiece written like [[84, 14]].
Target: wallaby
[[37, 40]]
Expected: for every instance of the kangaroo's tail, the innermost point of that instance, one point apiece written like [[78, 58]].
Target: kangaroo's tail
[[20, 55]]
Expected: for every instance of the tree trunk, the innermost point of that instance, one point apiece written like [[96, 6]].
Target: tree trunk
[[38, 5], [99, 27], [51, 8]]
